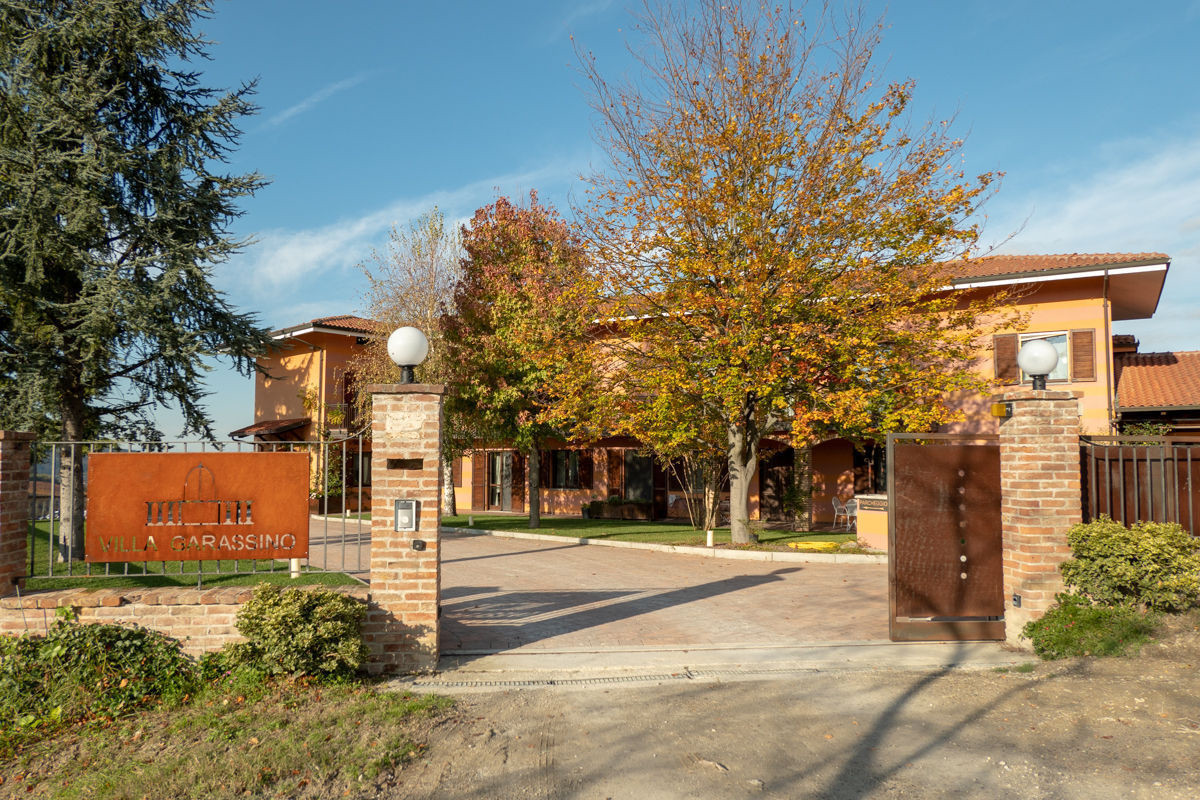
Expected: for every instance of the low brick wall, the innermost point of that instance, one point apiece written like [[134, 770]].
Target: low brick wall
[[202, 619]]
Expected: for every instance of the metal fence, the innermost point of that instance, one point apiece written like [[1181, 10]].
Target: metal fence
[[1141, 479], [339, 509]]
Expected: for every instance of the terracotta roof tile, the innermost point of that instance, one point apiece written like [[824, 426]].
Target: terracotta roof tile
[[1158, 380], [347, 322], [995, 266]]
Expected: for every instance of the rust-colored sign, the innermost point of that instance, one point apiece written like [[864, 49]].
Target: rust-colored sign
[[196, 506]]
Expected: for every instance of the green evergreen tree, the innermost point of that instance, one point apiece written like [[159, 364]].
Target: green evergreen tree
[[113, 210]]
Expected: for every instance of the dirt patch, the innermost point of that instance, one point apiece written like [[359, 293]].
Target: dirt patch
[[1084, 728]]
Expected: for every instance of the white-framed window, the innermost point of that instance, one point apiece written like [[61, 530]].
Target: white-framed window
[[1062, 370]]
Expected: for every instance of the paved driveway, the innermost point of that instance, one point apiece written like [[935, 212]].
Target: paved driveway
[[502, 594]]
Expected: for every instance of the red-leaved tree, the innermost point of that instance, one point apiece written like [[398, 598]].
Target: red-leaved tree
[[516, 307]]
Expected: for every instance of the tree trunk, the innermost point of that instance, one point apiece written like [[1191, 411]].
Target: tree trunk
[[712, 498], [449, 506], [743, 459], [535, 487], [70, 483], [802, 477]]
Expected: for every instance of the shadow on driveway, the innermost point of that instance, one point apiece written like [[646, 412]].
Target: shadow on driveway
[[493, 620]]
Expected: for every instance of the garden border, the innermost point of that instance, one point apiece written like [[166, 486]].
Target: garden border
[[686, 549], [202, 620]]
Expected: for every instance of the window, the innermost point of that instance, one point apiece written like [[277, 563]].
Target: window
[[564, 469], [1077, 355], [1061, 371]]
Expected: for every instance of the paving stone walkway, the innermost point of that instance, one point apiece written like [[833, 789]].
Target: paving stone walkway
[[503, 594]]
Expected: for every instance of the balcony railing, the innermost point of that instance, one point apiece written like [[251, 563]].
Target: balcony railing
[[340, 416]]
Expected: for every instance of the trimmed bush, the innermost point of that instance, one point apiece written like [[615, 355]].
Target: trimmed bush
[[299, 632], [617, 508], [1075, 627], [1155, 565]]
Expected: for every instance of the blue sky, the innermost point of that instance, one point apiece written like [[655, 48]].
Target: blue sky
[[372, 112]]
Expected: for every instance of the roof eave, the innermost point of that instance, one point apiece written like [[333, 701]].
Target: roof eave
[[302, 330], [1053, 274]]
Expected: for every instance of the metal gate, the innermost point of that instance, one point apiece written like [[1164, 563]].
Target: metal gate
[[945, 572], [339, 510]]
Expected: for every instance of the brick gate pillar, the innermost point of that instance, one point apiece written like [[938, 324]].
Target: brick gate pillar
[[14, 508], [401, 630], [1040, 499]]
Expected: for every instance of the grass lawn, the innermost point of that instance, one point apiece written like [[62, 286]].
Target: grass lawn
[[635, 530], [162, 573], [285, 740]]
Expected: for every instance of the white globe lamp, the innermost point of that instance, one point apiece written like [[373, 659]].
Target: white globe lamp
[[1038, 358], [408, 347]]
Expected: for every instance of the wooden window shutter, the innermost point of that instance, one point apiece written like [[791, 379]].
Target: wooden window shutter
[[456, 471], [518, 482], [586, 472], [1083, 355], [478, 480], [616, 467], [1004, 355], [545, 468]]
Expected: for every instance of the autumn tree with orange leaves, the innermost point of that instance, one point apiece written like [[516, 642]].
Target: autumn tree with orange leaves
[[520, 307], [775, 233]]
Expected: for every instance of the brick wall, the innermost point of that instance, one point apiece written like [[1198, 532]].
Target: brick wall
[[202, 619], [401, 631], [1041, 499], [14, 507]]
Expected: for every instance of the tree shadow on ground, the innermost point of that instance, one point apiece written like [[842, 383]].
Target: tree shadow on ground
[[518, 618]]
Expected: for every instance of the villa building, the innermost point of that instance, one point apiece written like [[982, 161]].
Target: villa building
[[1069, 300]]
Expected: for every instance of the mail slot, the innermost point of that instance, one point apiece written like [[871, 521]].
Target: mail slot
[[406, 515]]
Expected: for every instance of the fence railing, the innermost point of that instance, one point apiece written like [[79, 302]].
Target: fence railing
[[339, 509], [1141, 479]]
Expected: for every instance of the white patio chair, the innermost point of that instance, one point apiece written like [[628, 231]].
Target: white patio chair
[[851, 507], [839, 511]]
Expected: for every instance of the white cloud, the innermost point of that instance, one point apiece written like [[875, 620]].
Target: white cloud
[[283, 259], [1142, 197], [315, 98], [577, 13]]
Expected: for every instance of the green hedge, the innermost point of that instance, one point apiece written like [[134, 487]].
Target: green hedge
[[1152, 564]]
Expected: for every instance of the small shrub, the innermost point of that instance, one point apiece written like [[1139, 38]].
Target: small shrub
[[1152, 564], [298, 632], [1076, 627], [1147, 428]]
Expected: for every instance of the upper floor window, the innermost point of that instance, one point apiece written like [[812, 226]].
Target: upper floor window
[[1061, 371], [1076, 355]]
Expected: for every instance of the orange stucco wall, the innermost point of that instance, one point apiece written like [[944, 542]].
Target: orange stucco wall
[[462, 494], [315, 361], [1053, 307], [833, 475], [569, 501]]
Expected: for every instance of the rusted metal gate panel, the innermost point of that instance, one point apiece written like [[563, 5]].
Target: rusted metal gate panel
[[944, 563]]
